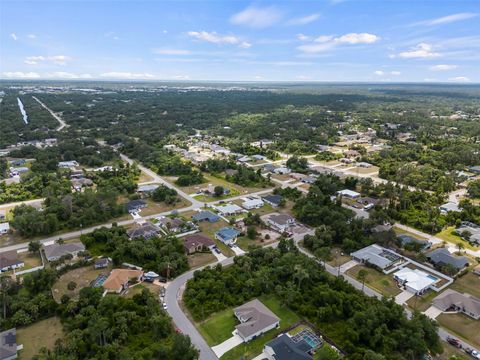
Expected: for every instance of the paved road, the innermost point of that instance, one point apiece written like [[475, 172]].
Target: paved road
[[27, 202], [63, 124]]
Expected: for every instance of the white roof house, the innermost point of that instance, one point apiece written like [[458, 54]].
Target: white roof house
[[415, 280], [229, 209], [4, 227], [252, 203], [349, 194], [449, 206], [67, 164], [282, 170]]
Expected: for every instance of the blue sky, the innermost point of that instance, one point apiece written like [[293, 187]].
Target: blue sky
[[331, 40]]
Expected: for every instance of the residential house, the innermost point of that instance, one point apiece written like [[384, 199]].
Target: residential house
[[135, 206], [147, 189], [101, 263], [255, 320], [350, 194], [351, 154], [381, 228], [119, 279], [16, 171], [56, 251], [268, 168], [8, 344], [274, 200], [476, 270], [284, 348], [449, 207], [404, 240], [146, 231], [173, 225], [281, 222], [364, 165], [229, 209], [309, 180], [369, 202], [282, 171], [243, 159], [442, 257], [414, 280], [67, 164], [258, 157], [9, 260], [227, 235], [252, 203], [473, 231], [377, 256], [231, 172], [197, 242], [4, 228], [474, 169], [205, 215], [451, 300]]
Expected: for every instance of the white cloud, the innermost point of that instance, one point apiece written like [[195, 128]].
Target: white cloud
[[67, 75], [170, 51], [382, 73], [395, 73], [181, 77], [257, 17], [111, 35], [326, 42], [215, 38], [421, 51], [459, 79], [443, 67], [379, 73], [303, 37], [127, 75], [57, 59], [32, 36], [449, 19], [14, 36], [20, 75], [304, 20]]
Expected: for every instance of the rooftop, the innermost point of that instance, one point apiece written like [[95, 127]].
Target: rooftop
[[119, 277], [254, 316]]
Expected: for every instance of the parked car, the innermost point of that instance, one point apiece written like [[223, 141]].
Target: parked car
[[164, 306], [475, 354], [454, 342], [217, 250]]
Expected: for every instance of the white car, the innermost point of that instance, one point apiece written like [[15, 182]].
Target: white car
[[475, 354], [164, 306]]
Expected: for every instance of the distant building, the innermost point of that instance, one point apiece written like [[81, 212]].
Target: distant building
[[282, 171], [252, 203], [67, 164], [135, 206], [442, 257], [274, 200], [377, 256], [101, 263], [56, 251], [281, 222], [9, 260], [449, 207], [4, 228], [227, 235], [8, 344], [258, 157], [414, 280]]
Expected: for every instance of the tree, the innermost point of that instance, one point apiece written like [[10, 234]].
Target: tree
[[71, 285], [218, 191], [34, 246], [327, 353], [460, 246], [362, 276], [251, 232]]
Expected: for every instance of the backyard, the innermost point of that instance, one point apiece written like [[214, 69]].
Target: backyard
[[199, 259], [43, 333], [383, 283], [82, 277], [463, 326], [468, 283]]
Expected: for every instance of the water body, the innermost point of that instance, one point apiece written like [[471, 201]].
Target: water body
[[22, 110]]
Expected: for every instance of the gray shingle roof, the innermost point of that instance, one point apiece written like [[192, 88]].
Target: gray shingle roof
[[59, 250], [254, 317], [443, 257], [286, 349]]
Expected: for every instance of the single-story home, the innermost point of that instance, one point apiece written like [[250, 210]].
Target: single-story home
[[449, 207], [173, 225], [205, 215], [377, 256], [258, 157], [284, 348], [442, 257], [255, 320], [15, 171], [9, 260], [268, 167], [4, 228], [229, 209], [369, 202], [414, 280], [8, 344], [56, 251], [101, 263], [451, 300], [252, 203], [351, 154], [146, 231], [404, 239], [135, 205], [274, 200], [67, 164], [472, 229], [118, 279], [309, 180], [474, 169], [244, 159], [197, 242], [227, 235], [381, 228], [281, 222], [148, 188], [282, 170], [349, 194], [364, 165]]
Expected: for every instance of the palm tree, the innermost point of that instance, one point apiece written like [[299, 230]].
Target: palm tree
[[362, 276], [460, 246]]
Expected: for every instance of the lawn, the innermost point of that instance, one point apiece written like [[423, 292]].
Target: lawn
[[422, 303], [383, 283], [218, 328], [446, 234], [399, 231], [265, 209], [361, 170], [468, 283], [209, 229], [137, 289], [159, 207], [30, 260], [255, 347], [82, 277], [244, 242], [462, 326], [144, 177], [199, 259], [337, 258], [43, 333]]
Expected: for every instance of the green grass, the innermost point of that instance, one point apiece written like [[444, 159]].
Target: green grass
[[446, 234], [255, 347], [43, 333], [468, 283], [422, 303], [218, 328], [378, 281], [209, 229], [462, 326]]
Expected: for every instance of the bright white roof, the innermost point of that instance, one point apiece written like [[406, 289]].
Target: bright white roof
[[347, 192], [229, 208], [252, 202], [4, 226], [415, 279]]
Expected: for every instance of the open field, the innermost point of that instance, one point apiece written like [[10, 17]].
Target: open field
[[463, 326], [384, 284], [337, 258], [43, 333], [199, 259], [82, 277], [137, 289], [155, 207], [468, 283]]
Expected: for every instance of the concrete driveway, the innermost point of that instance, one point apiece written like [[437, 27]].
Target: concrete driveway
[[347, 266], [227, 345], [220, 257], [403, 297], [237, 250], [432, 312]]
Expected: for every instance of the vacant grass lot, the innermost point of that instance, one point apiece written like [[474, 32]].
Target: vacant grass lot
[[399, 231], [43, 333], [337, 258], [82, 277], [384, 284], [468, 283], [137, 289], [463, 326], [199, 259], [422, 303]]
